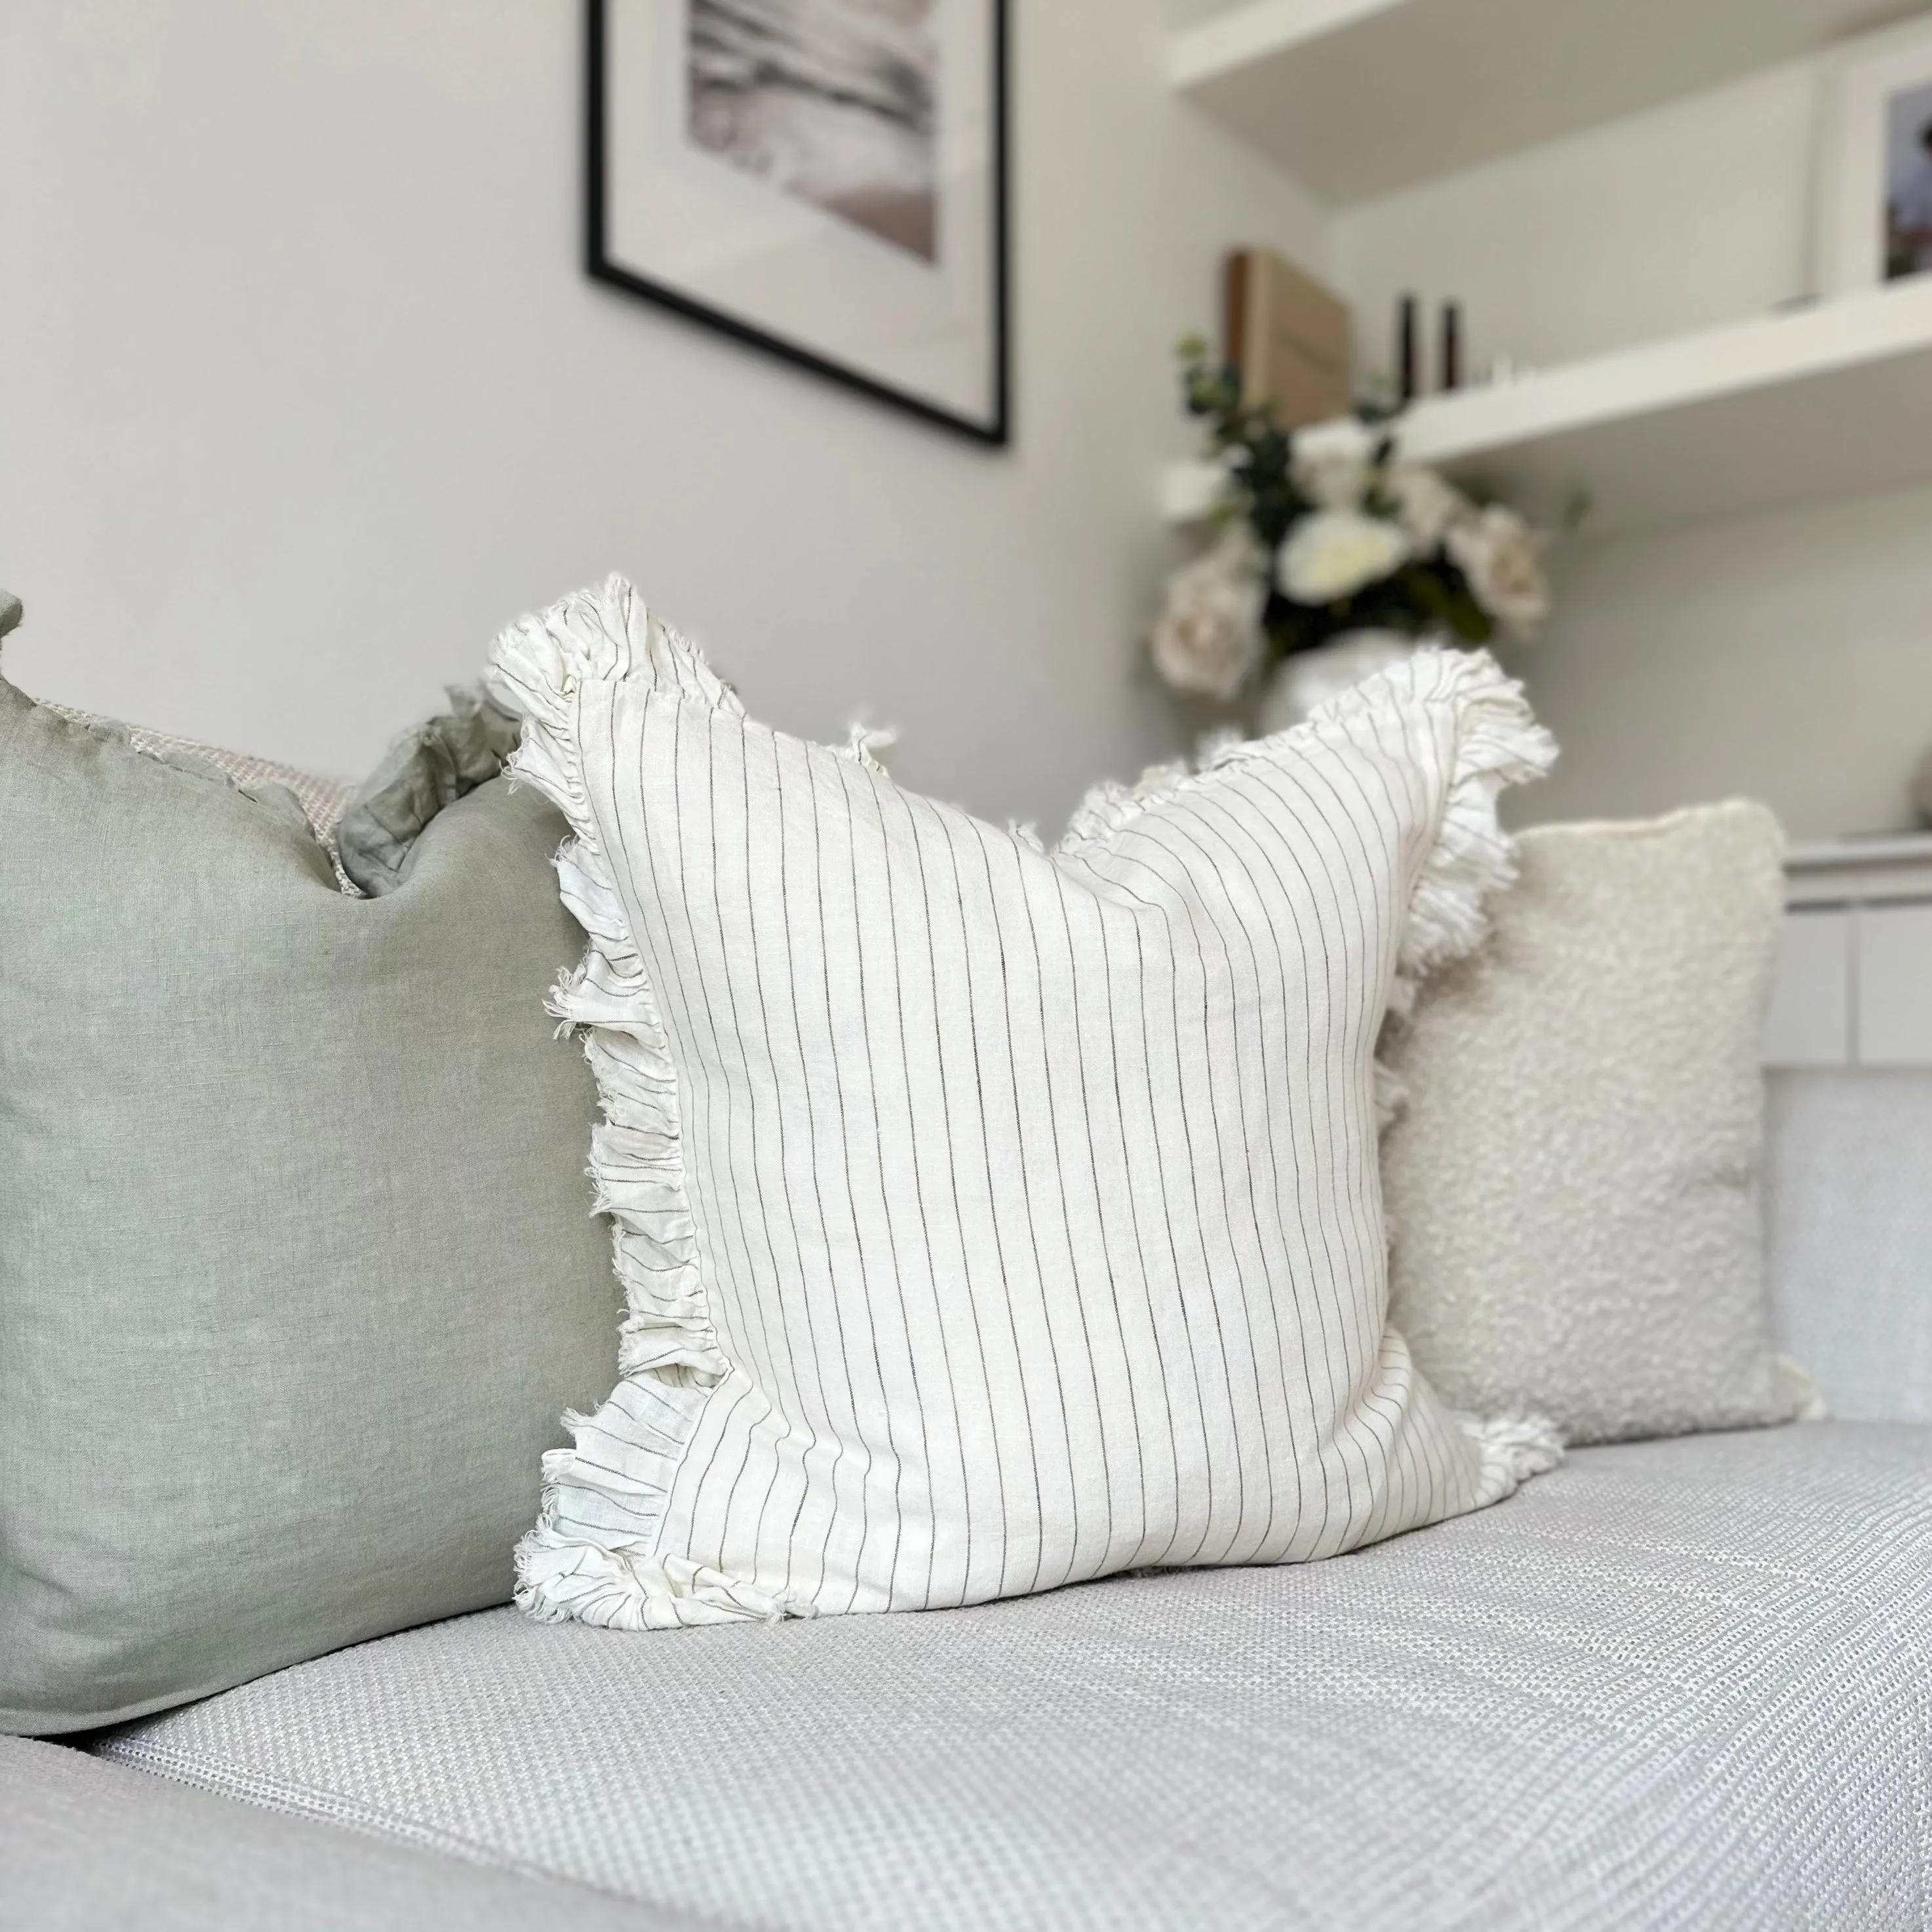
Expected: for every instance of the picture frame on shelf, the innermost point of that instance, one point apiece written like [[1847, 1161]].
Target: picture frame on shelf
[[1874, 190], [824, 180]]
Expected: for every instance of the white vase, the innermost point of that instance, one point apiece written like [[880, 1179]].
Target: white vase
[[1302, 684]]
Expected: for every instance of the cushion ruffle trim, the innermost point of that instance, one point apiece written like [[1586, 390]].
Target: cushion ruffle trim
[[593, 1556]]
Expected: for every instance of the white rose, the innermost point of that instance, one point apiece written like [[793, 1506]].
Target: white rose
[[1331, 554], [1502, 558], [1208, 638], [1331, 462], [1427, 506]]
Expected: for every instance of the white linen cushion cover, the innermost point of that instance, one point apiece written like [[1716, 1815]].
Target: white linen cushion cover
[[1573, 1183], [992, 1219]]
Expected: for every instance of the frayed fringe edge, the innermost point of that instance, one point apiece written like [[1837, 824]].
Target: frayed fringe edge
[[617, 1481], [622, 1586], [1513, 1448]]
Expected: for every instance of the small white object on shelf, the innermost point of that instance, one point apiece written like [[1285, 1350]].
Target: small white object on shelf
[[1359, 98], [1829, 400]]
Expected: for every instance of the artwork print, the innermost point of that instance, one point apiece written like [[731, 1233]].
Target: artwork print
[[824, 180], [834, 101]]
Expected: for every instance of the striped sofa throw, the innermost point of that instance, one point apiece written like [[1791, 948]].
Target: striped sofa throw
[[991, 1218]]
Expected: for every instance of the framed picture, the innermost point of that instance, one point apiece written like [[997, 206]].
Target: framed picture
[[1875, 189], [826, 179]]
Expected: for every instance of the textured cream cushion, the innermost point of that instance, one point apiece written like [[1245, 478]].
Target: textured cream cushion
[[1573, 1180], [992, 1219]]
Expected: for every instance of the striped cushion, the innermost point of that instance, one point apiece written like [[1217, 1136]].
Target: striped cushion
[[989, 1218]]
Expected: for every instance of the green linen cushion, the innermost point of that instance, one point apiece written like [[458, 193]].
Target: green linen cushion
[[426, 772], [298, 1268]]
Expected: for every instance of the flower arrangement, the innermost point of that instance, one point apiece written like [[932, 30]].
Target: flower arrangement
[[1324, 532]]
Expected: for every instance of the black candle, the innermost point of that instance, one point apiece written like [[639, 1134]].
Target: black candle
[[1405, 350], [1452, 346]]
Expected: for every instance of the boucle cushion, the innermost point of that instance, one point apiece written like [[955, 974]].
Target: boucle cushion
[[1573, 1180], [298, 1264], [990, 1218]]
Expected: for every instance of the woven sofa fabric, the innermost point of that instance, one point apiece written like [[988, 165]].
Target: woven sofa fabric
[[1573, 1178], [86, 1846], [299, 1266], [991, 1218], [1675, 1684], [1849, 1217]]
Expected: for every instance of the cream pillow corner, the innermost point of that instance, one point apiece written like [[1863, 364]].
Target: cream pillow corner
[[989, 1218], [1573, 1178]]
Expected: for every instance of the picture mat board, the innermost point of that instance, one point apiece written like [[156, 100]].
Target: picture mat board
[[675, 220]]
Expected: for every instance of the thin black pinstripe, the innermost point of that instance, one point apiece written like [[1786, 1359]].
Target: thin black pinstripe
[[836, 1061], [1033, 1235], [995, 1222], [778, 1112], [1023, 870], [1135, 1438], [877, 1167], [804, 1106], [969, 1299], [1140, 1278], [948, 1387]]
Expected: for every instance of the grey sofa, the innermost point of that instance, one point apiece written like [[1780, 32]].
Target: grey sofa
[[1680, 1684]]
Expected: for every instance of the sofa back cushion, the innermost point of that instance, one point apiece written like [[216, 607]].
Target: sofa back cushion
[[1848, 1218], [298, 1268]]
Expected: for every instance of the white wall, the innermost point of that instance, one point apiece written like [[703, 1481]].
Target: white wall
[[302, 395], [1785, 657], [1693, 214], [1788, 656]]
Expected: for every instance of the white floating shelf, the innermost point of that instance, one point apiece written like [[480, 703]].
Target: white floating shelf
[[1832, 401], [1359, 98]]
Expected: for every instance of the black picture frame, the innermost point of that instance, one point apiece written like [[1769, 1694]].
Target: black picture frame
[[996, 431]]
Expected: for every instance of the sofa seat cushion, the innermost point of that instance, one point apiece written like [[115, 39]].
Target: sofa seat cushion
[[1675, 1683], [85, 1847]]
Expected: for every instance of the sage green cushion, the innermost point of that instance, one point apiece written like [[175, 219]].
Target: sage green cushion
[[425, 772], [297, 1269]]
